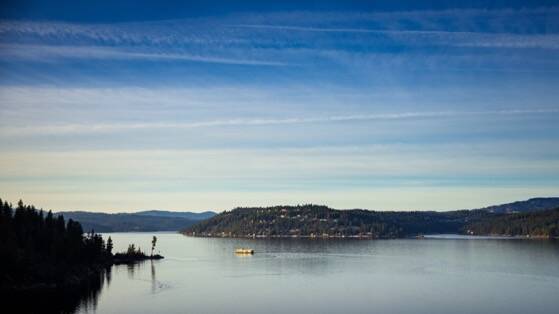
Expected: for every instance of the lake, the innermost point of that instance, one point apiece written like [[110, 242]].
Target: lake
[[432, 275]]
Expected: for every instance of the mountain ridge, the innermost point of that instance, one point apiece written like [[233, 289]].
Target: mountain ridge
[[186, 214], [127, 222], [321, 221], [529, 205], [162, 220]]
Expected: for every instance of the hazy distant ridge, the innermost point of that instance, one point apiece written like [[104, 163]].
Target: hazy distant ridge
[[187, 215], [152, 220], [531, 205]]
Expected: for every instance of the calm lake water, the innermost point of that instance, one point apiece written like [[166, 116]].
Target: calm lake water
[[432, 275]]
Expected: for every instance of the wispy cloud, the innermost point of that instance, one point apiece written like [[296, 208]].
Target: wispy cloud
[[346, 108], [434, 37], [370, 161], [258, 175], [197, 30], [339, 30], [119, 127], [51, 52], [374, 47], [211, 33], [222, 40]]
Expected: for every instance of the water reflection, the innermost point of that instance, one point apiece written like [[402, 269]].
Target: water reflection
[[82, 297], [153, 278], [133, 271], [428, 276], [131, 268], [108, 275]]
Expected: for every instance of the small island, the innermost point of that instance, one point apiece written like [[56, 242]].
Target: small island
[[134, 254]]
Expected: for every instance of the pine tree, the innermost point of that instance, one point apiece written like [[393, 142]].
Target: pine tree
[[153, 242], [109, 246]]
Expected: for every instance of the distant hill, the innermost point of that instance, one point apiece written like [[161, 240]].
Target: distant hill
[[535, 219], [125, 222], [531, 205], [311, 220], [322, 221], [187, 215], [537, 224]]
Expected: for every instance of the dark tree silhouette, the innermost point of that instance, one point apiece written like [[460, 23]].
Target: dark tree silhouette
[[153, 243], [109, 248], [38, 248], [543, 224], [48, 265]]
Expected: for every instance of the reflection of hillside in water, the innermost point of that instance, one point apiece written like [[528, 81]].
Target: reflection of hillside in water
[[82, 298], [135, 271], [60, 300]]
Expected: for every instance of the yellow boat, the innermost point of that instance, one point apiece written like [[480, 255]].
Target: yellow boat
[[244, 251]]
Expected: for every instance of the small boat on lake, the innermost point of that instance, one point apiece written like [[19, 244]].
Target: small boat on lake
[[244, 251]]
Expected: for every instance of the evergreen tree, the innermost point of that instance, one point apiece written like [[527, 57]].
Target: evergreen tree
[[153, 242], [39, 248], [109, 246]]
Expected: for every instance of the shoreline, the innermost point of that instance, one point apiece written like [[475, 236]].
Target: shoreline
[[365, 237], [80, 277], [120, 260]]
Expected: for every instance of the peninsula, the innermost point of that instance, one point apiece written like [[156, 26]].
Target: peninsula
[[321, 221]]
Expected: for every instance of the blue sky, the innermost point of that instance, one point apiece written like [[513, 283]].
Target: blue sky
[[389, 105]]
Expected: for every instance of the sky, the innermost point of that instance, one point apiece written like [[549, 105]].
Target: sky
[[119, 106]]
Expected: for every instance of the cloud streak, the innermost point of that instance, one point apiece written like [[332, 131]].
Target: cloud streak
[[122, 127], [203, 39], [304, 44], [335, 107], [43, 52], [434, 37]]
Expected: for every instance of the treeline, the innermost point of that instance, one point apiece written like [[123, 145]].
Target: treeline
[[321, 221], [536, 224], [40, 249], [530, 205]]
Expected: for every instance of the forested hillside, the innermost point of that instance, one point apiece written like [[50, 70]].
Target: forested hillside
[[537, 224], [314, 220], [321, 221], [39, 248], [531, 205], [49, 265]]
